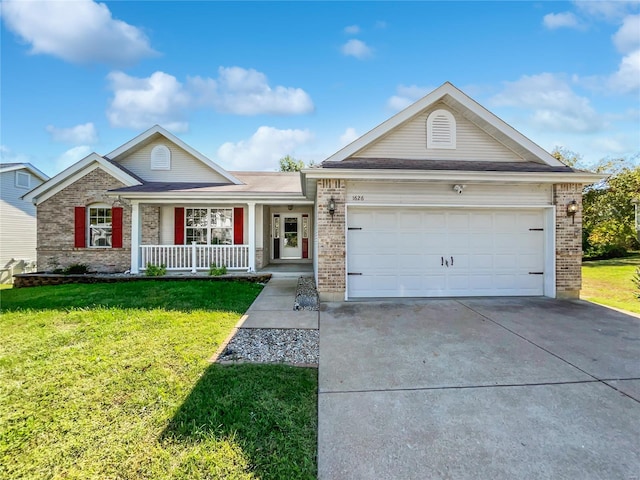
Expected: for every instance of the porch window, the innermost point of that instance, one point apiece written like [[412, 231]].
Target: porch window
[[209, 226], [100, 227]]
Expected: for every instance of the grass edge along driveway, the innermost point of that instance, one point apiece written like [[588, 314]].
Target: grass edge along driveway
[[608, 282], [112, 381]]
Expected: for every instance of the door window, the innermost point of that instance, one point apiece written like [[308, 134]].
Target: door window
[[291, 232]]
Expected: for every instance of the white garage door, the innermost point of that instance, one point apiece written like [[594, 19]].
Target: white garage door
[[418, 252]]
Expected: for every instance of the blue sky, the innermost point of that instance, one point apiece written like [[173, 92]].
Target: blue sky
[[247, 83]]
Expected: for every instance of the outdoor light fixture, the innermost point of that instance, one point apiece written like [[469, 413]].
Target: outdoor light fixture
[[572, 208], [290, 207], [332, 207]]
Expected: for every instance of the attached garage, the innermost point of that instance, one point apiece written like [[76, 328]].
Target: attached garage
[[445, 252], [444, 199]]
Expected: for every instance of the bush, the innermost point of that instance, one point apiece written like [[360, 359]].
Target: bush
[[604, 252], [155, 270], [636, 281], [76, 269], [217, 271]]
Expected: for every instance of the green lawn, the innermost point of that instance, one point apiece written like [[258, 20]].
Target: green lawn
[[113, 381], [608, 282]]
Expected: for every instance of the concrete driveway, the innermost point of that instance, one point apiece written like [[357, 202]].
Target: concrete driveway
[[478, 388]]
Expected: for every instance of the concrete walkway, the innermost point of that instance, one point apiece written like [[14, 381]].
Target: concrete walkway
[[273, 308]]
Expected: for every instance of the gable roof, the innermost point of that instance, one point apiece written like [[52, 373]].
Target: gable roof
[[470, 109], [156, 131], [10, 167], [75, 172]]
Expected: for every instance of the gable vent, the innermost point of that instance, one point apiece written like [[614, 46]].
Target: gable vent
[[160, 158], [441, 130]]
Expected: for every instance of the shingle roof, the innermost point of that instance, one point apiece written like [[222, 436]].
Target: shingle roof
[[253, 182], [458, 165]]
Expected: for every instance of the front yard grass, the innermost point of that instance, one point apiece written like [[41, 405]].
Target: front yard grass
[[113, 381], [608, 282]]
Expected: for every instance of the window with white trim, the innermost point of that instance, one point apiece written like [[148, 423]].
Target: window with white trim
[[209, 226], [160, 158], [23, 179], [100, 226], [441, 130]]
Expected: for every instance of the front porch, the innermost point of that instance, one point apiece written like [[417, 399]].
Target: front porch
[[247, 237]]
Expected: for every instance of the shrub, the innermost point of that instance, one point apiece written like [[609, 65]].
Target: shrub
[[76, 269], [217, 271], [155, 270], [604, 252], [636, 281]]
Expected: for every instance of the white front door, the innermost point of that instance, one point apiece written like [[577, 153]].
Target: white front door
[[290, 238]]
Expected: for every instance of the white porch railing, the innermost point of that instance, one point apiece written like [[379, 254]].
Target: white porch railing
[[195, 257]]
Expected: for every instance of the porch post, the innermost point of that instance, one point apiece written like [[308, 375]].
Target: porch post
[[251, 206], [135, 237]]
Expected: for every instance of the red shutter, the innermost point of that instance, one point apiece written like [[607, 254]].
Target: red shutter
[[80, 228], [178, 226], [238, 226], [116, 227]]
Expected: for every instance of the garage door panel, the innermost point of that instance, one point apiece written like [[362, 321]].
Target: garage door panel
[[400, 253]]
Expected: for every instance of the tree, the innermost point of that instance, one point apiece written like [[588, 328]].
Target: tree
[[290, 164], [608, 225], [566, 156]]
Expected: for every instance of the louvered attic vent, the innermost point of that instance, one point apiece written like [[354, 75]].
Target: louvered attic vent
[[441, 130], [160, 158]]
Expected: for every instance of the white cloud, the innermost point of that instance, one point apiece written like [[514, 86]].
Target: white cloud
[[81, 31], [247, 92], [357, 48], [9, 156], [627, 38], [606, 10], [627, 78], [406, 95], [84, 134], [348, 136], [560, 20], [352, 29], [139, 103], [551, 103], [71, 156], [263, 150], [381, 24]]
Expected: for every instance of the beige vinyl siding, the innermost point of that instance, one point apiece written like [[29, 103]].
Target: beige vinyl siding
[[409, 141], [167, 219], [17, 222], [418, 193], [184, 167]]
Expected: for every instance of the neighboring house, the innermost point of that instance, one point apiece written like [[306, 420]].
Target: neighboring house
[[442, 199], [17, 219]]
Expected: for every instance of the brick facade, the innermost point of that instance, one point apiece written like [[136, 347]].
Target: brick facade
[[56, 226], [331, 240], [150, 223], [568, 241]]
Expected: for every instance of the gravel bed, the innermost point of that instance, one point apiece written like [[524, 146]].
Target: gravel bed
[[306, 295], [273, 345]]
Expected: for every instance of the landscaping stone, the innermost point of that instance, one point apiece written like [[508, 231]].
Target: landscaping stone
[[273, 345]]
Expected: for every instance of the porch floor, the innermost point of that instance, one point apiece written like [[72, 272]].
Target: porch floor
[[288, 269]]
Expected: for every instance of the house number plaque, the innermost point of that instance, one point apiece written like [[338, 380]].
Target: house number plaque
[[357, 198]]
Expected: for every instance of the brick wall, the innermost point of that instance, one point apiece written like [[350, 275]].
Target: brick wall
[[150, 220], [568, 241], [56, 226], [331, 240], [259, 258]]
